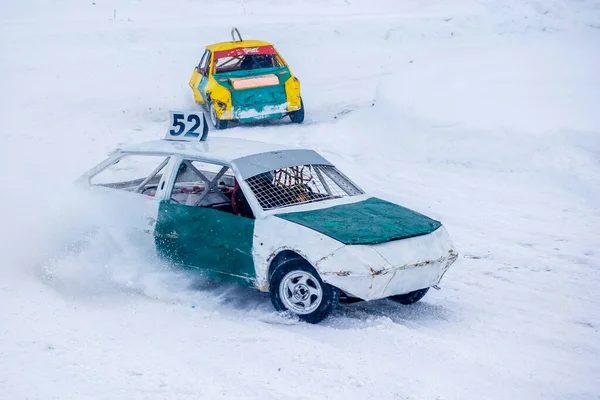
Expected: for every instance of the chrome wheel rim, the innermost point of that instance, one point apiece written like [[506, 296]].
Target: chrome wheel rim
[[300, 292]]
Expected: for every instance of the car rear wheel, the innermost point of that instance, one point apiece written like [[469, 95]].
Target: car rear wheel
[[214, 119], [409, 298], [297, 116], [296, 287]]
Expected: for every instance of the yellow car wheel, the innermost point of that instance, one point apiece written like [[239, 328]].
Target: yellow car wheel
[[214, 119], [297, 116]]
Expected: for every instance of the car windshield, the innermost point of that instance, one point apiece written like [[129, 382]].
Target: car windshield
[[246, 62], [299, 185]]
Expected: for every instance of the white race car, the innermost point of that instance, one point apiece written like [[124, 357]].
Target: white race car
[[283, 220]]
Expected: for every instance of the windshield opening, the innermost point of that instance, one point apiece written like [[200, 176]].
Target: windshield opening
[[299, 185], [247, 62]]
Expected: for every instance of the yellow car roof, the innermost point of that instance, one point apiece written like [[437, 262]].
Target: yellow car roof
[[234, 45]]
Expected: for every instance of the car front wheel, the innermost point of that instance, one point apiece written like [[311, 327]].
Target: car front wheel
[[214, 119], [296, 287], [409, 298]]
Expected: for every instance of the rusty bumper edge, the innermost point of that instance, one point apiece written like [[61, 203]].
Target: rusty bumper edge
[[450, 259]]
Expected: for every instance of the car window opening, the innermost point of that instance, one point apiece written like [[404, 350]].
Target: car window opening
[[299, 185], [206, 185], [124, 174], [247, 62]]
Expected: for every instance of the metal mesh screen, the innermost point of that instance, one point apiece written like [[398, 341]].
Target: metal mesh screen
[[301, 184]]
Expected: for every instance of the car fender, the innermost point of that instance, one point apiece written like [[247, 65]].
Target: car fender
[[273, 235], [292, 93], [220, 94], [194, 82]]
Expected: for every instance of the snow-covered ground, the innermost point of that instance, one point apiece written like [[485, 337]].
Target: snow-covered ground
[[483, 114]]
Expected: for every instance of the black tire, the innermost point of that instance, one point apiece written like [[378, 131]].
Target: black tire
[[409, 298], [297, 116], [216, 122], [286, 272]]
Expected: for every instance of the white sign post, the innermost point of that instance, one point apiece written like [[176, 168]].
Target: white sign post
[[187, 126]]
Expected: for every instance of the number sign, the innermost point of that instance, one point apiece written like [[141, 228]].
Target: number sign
[[187, 125]]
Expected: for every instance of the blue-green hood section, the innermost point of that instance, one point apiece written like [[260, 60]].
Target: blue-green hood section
[[370, 221]]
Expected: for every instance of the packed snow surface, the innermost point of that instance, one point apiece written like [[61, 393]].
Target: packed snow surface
[[482, 114]]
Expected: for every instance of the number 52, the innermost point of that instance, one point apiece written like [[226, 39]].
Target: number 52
[[179, 122]]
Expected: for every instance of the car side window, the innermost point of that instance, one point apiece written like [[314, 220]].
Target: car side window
[[202, 60], [202, 184], [133, 173], [203, 64]]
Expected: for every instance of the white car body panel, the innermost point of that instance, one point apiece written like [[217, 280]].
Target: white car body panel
[[223, 150], [136, 215], [136, 212], [273, 235], [390, 268]]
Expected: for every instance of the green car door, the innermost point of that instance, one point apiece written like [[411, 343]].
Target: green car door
[[217, 242], [208, 236]]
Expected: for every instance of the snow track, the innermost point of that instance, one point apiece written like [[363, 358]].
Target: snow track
[[481, 114]]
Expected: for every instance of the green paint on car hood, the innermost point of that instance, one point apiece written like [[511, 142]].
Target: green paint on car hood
[[370, 221]]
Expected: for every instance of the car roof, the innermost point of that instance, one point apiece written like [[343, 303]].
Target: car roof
[[234, 45], [215, 148]]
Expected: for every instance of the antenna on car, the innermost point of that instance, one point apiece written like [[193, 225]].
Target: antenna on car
[[235, 30]]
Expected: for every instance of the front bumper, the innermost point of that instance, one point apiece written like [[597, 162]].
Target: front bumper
[[377, 271]]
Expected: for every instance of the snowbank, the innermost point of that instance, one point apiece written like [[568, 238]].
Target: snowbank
[[534, 85]]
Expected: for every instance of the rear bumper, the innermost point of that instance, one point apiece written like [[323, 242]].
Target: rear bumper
[[391, 268], [256, 113]]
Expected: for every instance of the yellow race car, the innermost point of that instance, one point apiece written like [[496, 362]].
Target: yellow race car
[[245, 81]]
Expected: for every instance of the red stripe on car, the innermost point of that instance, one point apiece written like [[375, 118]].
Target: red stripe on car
[[242, 51]]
